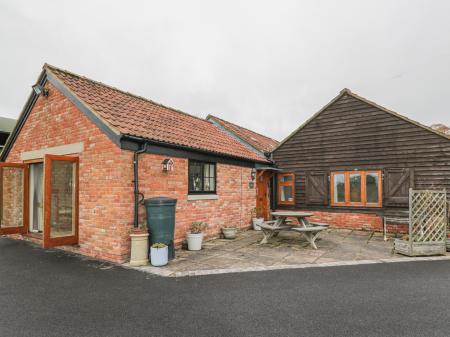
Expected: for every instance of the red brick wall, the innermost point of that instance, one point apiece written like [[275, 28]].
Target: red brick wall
[[104, 217], [358, 221], [106, 181], [233, 206], [12, 197]]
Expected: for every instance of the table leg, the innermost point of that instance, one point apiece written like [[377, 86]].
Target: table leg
[[280, 221], [267, 235], [304, 222], [311, 238]]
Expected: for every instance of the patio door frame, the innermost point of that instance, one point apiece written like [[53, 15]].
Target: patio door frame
[[64, 240], [31, 188], [25, 210]]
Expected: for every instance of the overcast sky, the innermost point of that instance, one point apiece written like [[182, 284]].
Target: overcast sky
[[266, 65]]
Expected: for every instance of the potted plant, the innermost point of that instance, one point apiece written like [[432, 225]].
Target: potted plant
[[195, 235], [159, 254], [139, 246], [257, 218], [229, 232]]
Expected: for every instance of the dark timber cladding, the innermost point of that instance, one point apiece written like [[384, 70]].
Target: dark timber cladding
[[352, 133]]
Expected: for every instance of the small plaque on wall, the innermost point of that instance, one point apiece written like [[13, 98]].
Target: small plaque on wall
[[251, 184]]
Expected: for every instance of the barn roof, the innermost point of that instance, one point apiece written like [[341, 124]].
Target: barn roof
[[348, 92]]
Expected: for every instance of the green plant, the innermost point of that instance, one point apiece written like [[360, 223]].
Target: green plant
[[158, 245], [229, 226], [198, 226]]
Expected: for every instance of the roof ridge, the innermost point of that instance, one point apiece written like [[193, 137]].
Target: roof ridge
[[394, 113], [46, 65], [242, 127]]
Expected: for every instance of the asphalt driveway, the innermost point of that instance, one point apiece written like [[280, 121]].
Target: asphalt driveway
[[52, 293]]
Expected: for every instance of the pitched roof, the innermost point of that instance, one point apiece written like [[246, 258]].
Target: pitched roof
[[7, 124], [128, 114], [256, 140], [348, 92]]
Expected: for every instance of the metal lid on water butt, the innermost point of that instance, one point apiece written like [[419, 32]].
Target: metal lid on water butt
[[160, 201]]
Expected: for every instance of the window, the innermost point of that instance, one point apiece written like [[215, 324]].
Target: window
[[356, 188], [339, 188], [202, 177], [286, 189]]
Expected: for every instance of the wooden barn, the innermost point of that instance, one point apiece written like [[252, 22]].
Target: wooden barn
[[353, 162]]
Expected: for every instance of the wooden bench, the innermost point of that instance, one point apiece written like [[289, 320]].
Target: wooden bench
[[269, 229], [321, 224], [310, 233], [393, 220]]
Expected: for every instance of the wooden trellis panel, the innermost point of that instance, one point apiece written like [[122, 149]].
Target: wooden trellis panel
[[428, 215], [428, 220]]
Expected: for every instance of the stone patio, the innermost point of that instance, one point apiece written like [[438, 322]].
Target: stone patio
[[288, 250]]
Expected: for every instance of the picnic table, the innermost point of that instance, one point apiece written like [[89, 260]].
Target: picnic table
[[309, 230]]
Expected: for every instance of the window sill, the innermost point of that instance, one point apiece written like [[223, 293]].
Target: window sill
[[202, 197], [356, 205], [286, 203]]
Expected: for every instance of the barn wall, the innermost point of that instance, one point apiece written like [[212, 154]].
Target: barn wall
[[352, 134]]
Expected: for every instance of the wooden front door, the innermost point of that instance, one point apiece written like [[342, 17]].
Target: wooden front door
[[60, 200], [263, 193], [13, 198]]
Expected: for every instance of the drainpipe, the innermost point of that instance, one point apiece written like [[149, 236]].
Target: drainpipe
[[136, 183]]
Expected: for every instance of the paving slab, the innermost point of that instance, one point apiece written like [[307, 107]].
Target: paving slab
[[286, 251]]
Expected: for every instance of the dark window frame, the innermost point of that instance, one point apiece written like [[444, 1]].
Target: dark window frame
[[202, 165]]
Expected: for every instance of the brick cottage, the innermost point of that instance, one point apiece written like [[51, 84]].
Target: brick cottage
[[71, 160]]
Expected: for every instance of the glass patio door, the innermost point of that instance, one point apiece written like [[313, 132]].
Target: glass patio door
[[13, 198], [36, 191], [60, 200]]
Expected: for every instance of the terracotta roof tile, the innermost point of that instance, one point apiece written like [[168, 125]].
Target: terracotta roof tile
[[129, 114], [258, 141]]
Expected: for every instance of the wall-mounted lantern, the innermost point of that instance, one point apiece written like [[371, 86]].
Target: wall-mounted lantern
[[253, 174], [167, 165], [39, 89]]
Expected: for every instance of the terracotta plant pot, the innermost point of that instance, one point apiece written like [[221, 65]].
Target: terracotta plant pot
[[194, 241], [139, 248], [230, 232]]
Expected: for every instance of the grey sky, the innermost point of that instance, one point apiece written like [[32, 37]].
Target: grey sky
[[266, 65]]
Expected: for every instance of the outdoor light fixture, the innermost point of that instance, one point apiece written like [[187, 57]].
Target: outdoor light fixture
[[167, 165], [253, 174], [39, 89]]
